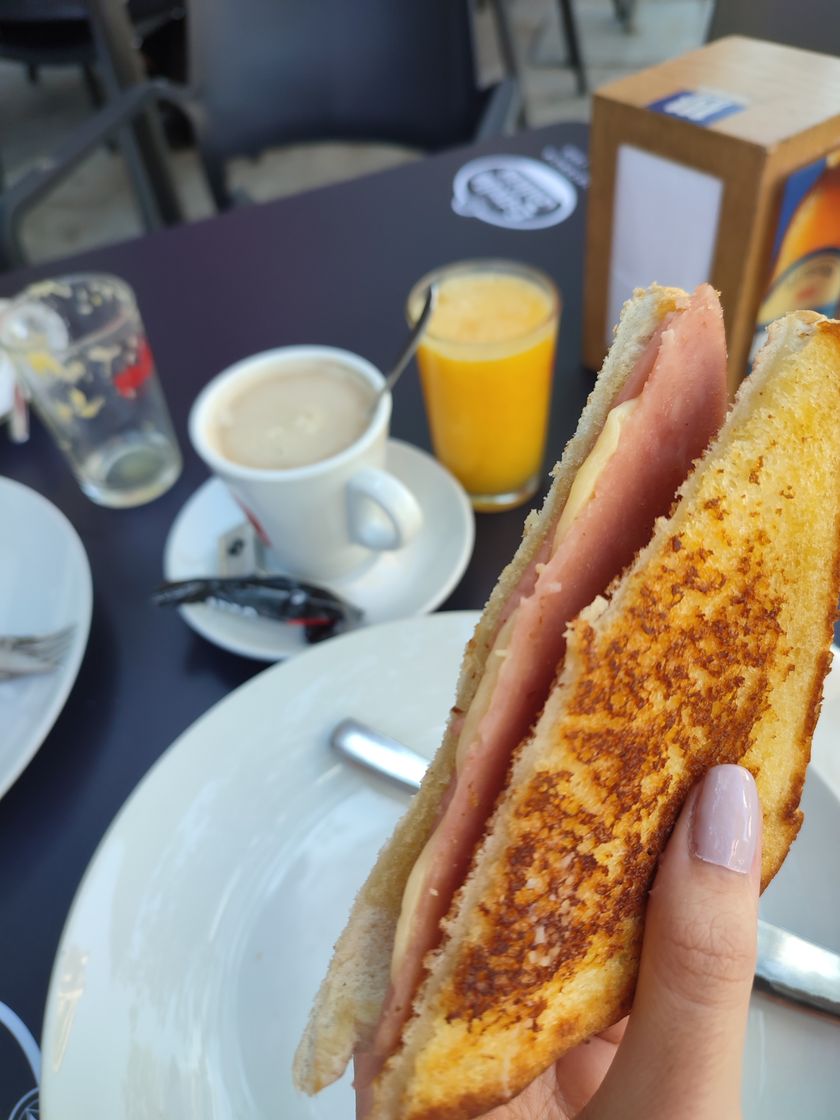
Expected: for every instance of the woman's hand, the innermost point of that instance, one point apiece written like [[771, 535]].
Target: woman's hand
[[680, 1056]]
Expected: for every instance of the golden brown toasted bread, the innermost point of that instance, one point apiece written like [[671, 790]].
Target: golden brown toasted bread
[[711, 648], [348, 1005]]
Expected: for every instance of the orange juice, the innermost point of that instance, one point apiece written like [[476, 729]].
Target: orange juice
[[486, 362]]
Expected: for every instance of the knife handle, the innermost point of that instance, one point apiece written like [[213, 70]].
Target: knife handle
[[379, 752]]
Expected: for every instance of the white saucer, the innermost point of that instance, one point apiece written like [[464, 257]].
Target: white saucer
[[204, 924], [412, 581], [46, 585]]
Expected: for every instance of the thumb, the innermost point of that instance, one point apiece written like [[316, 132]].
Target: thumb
[[683, 1050]]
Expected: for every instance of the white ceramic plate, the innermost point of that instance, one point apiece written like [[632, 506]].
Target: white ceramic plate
[[7, 386], [412, 581], [205, 921], [44, 585]]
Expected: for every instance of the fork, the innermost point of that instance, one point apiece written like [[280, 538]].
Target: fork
[[35, 653]]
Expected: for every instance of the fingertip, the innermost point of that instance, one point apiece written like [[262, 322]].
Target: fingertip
[[725, 825]]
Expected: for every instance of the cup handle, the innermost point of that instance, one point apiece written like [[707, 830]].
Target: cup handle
[[403, 516]]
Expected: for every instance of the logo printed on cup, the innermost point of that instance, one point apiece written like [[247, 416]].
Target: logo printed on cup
[[513, 192]]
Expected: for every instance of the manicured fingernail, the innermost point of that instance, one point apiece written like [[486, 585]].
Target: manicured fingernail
[[726, 819]]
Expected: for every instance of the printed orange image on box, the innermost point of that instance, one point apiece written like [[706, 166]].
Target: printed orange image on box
[[806, 254]]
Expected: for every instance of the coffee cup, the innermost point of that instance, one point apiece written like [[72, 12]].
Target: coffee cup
[[299, 438]]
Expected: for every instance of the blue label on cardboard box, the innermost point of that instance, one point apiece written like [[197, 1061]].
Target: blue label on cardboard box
[[698, 106]]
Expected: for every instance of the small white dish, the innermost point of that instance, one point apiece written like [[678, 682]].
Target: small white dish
[[204, 924], [412, 581], [46, 585]]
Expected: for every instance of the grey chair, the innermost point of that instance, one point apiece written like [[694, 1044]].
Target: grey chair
[[811, 24], [42, 33], [269, 72], [154, 189]]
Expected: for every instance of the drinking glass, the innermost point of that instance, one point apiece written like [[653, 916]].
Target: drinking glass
[[80, 350], [486, 363]]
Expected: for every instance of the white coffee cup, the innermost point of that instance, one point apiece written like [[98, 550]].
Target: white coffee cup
[[327, 519]]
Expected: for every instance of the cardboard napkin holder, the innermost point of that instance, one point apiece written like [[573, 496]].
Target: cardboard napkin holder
[[689, 163]]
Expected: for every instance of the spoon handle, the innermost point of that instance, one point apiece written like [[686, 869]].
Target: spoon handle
[[413, 340]]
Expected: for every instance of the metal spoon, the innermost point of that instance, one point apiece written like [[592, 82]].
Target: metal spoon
[[407, 354]]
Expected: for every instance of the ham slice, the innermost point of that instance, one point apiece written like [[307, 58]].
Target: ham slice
[[678, 390]]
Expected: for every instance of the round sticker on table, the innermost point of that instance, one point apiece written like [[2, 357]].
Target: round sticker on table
[[513, 192]]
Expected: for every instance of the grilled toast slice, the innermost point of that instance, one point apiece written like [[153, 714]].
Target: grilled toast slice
[[711, 648], [349, 1002]]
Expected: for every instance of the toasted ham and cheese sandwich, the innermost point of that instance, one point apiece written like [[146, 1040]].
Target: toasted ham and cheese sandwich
[[502, 923]]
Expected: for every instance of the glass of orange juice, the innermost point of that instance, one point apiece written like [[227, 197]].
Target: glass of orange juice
[[486, 362]]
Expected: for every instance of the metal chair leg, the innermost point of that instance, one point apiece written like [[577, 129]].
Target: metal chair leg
[[142, 142], [625, 12], [215, 172], [569, 22], [93, 87], [510, 59], [11, 249], [17, 199]]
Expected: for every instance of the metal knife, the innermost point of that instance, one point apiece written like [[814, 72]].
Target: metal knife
[[787, 965], [379, 752], [796, 969]]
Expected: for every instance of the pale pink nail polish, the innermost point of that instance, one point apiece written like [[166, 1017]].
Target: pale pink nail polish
[[726, 819]]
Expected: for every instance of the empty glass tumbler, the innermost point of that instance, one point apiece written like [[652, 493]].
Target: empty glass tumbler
[[80, 350]]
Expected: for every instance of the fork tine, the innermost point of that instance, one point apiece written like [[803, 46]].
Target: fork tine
[[49, 635], [48, 647], [43, 651], [59, 641], [35, 670], [52, 650]]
